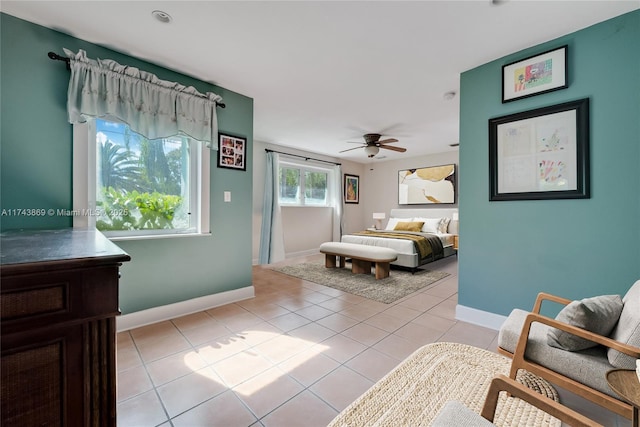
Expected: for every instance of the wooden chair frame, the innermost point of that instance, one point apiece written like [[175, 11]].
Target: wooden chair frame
[[551, 407], [520, 362]]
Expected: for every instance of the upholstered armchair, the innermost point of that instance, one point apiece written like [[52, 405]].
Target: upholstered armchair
[[580, 364]]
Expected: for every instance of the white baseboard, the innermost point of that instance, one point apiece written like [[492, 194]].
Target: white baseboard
[[480, 317], [171, 311]]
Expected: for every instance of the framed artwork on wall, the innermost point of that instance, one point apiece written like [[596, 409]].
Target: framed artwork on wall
[[435, 184], [540, 154], [232, 152], [351, 188], [537, 74]]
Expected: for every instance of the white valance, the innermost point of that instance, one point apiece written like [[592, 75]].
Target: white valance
[[151, 107]]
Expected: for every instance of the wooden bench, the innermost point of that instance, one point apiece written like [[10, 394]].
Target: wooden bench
[[362, 257]]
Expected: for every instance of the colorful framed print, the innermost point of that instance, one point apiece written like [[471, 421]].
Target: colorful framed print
[[537, 74], [232, 152], [351, 188], [540, 154]]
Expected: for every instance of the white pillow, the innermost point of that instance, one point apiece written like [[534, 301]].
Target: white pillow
[[391, 225], [430, 224]]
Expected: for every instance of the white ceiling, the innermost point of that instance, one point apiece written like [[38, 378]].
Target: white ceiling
[[322, 73]]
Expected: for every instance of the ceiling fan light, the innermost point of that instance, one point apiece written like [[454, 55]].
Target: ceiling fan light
[[371, 150]]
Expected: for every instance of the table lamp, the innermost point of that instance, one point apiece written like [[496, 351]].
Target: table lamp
[[378, 216]]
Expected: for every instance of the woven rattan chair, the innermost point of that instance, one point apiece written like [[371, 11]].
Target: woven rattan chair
[[524, 338], [455, 414]]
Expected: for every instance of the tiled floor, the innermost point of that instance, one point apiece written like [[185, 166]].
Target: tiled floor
[[295, 355]]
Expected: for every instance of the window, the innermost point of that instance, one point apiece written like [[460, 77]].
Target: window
[[303, 185], [135, 187]]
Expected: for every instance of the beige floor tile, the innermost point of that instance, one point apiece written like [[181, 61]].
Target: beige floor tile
[[341, 387], [403, 313], [304, 410], [419, 333], [312, 332], [267, 311], [223, 410], [293, 303], [153, 331], [241, 321], [189, 391], [396, 347], [310, 365], [338, 322], [421, 301], [314, 312], [202, 334], [289, 321], [365, 334], [164, 345], [372, 364], [259, 333], [445, 288], [127, 357], [282, 348], [141, 411], [242, 366], [466, 333], [359, 313], [133, 382], [221, 348], [268, 390], [336, 304], [317, 297], [195, 320], [341, 348], [172, 367], [225, 311], [446, 309], [385, 322], [434, 322]]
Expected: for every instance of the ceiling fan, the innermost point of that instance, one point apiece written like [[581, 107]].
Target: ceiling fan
[[373, 144]]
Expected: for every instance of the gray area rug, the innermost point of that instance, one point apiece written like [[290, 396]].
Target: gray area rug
[[399, 283]]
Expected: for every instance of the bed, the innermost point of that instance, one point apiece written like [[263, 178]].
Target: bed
[[410, 245]]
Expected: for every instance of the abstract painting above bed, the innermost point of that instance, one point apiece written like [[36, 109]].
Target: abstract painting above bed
[[422, 186]]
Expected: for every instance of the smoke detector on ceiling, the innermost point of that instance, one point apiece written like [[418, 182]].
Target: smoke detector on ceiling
[[161, 16]]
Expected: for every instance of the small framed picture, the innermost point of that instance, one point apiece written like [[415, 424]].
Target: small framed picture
[[232, 151], [351, 188], [537, 74]]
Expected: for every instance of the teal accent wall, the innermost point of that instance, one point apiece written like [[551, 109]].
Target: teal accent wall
[[510, 251], [36, 171]]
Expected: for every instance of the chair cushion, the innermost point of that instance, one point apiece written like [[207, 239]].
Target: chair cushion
[[628, 329], [598, 314], [456, 414], [588, 366]]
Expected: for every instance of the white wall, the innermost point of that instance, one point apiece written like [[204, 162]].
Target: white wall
[[379, 187], [305, 228]]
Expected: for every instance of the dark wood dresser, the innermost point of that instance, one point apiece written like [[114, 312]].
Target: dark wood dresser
[[59, 300]]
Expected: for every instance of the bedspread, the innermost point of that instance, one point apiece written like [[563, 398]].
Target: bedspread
[[426, 246]]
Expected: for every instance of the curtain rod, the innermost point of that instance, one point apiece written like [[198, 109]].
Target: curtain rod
[[56, 57], [302, 157]]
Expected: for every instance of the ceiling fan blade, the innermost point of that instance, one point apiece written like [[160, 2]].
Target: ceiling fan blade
[[355, 148], [398, 149], [387, 141], [355, 142]]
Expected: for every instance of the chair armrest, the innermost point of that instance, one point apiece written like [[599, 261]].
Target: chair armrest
[[551, 407], [542, 296], [591, 336]]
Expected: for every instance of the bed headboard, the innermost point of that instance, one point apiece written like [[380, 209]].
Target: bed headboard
[[428, 213]]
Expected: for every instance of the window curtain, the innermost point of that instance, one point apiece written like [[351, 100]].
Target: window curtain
[[337, 204], [271, 235], [151, 107]]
